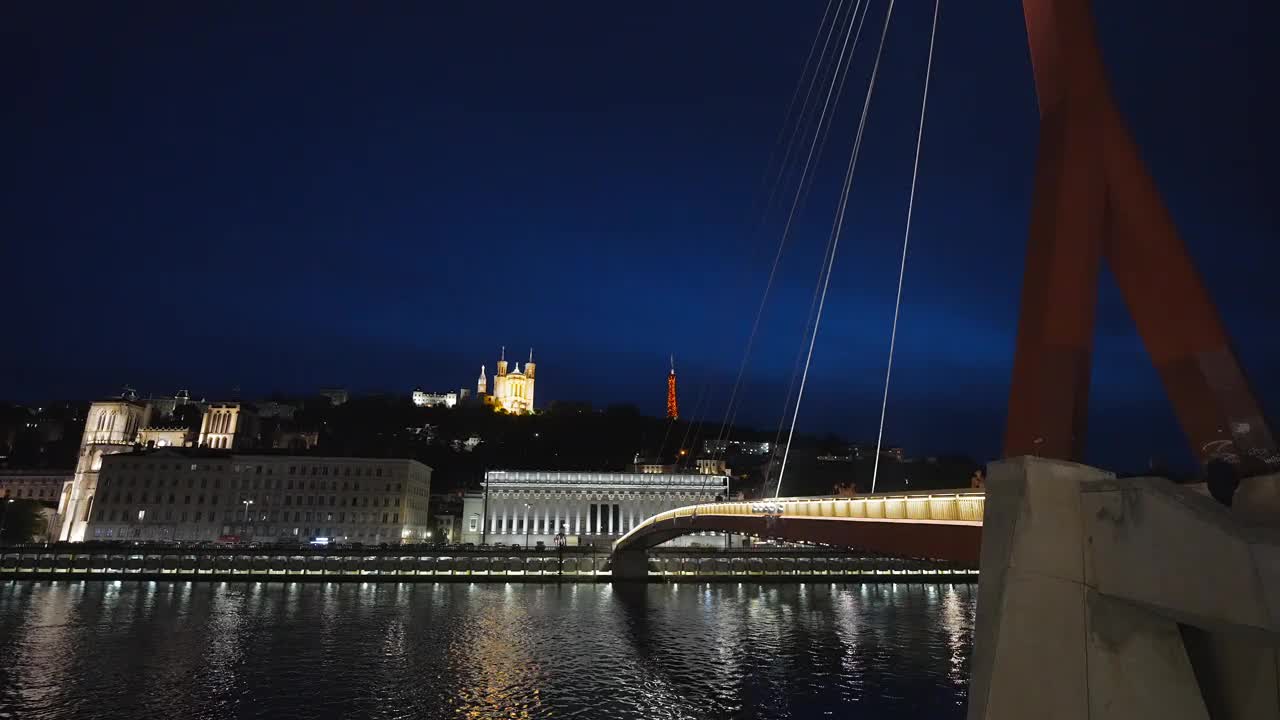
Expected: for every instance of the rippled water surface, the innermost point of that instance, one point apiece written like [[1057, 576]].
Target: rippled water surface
[[258, 650]]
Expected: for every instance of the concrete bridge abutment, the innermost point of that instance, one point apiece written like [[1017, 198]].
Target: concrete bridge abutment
[[1102, 598], [629, 565]]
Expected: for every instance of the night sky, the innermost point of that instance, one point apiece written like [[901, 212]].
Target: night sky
[[380, 195]]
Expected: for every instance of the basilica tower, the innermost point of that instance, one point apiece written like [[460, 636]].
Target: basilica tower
[[512, 389], [529, 368], [500, 375]]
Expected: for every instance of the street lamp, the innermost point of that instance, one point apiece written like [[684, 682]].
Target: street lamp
[[527, 527], [4, 516], [247, 503]]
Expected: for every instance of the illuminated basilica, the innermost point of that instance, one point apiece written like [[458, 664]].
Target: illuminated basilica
[[512, 390]]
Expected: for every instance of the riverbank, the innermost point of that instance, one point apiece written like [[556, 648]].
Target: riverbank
[[402, 564]]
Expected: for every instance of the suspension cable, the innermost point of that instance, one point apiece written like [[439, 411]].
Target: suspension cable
[[906, 237], [806, 81], [786, 230], [839, 225], [727, 428], [813, 301]]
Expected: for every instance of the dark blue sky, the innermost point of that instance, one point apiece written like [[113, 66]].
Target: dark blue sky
[[379, 195]]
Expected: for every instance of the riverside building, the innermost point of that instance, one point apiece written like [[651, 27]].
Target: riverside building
[[201, 494], [589, 508]]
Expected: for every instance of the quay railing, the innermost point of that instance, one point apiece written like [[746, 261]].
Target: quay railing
[[167, 563]]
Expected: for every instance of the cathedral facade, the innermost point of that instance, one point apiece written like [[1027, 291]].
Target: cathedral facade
[[512, 390]]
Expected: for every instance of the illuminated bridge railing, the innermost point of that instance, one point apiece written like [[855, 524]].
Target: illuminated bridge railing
[[960, 507]]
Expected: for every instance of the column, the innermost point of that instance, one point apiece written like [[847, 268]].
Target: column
[[610, 509], [577, 518], [524, 528]]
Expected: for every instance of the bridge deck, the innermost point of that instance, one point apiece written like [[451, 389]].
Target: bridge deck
[[941, 525]]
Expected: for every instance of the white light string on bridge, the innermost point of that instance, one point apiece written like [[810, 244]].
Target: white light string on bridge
[[906, 238], [839, 227], [836, 75]]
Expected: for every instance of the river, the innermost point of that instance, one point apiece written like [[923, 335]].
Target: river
[[190, 651]]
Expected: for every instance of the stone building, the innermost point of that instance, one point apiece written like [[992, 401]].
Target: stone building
[[512, 390], [229, 426], [110, 427], [591, 508], [421, 398], [200, 494], [123, 424], [40, 485]]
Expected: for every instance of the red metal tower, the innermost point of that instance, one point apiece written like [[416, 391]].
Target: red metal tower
[[673, 410], [1094, 199]]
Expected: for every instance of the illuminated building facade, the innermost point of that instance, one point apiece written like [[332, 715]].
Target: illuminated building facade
[[110, 427], [426, 399], [39, 485], [512, 390], [228, 426], [591, 508], [199, 494], [122, 425]]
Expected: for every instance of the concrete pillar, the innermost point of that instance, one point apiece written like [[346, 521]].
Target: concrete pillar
[[1103, 598], [630, 565]]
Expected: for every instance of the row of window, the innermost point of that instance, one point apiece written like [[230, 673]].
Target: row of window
[[136, 532], [256, 484], [168, 515], [321, 470], [334, 501], [32, 492]]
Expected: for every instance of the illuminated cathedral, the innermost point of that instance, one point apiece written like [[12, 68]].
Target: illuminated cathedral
[[512, 391]]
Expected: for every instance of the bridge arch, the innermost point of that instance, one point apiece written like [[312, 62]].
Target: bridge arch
[[941, 525]]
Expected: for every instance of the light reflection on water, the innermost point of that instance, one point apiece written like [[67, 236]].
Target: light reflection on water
[[451, 650]]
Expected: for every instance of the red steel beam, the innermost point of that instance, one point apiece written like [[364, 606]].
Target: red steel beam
[[1094, 199]]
